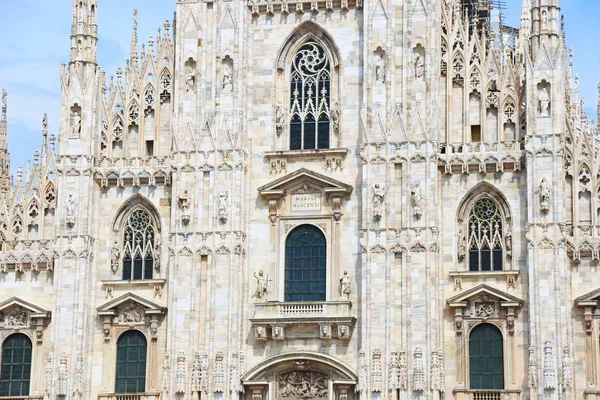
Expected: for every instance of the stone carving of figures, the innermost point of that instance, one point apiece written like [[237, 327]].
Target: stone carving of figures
[[223, 203], [544, 193], [550, 381], [380, 68], [345, 282], [184, 201], [508, 242], [419, 68], [544, 102], [544, 20], [157, 247], [227, 78], [62, 376], [115, 256], [261, 285], [279, 117], [71, 209], [190, 77], [418, 371], [335, 116], [567, 365], [75, 125], [378, 196], [462, 245], [416, 199]]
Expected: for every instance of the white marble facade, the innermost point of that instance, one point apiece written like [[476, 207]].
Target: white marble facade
[[190, 151]]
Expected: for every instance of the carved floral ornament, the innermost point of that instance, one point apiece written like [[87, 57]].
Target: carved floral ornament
[[303, 182], [484, 304], [19, 315], [130, 311]]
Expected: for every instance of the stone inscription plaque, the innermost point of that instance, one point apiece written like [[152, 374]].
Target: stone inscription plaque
[[306, 202]]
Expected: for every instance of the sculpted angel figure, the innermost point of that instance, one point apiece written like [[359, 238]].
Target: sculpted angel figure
[[261, 285]]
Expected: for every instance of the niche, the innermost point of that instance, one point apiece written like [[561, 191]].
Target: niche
[[380, 65], [227, 74], [190, 75], [419, 62], [75, 121], [544, 100]]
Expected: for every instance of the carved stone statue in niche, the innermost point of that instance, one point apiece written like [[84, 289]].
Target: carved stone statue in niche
[[190, 77], [157, 249], [303, 385], [184, 204], [227, 77], [416, 199], [115, 256], [380, 67], [75, 124], [279, 117], [544, 100], [378, 200], [544, 20], [419, 68], [70, 209], [508, 242], [544, 194], [223, 205], [261, 286], [335, 116], [345, 282]]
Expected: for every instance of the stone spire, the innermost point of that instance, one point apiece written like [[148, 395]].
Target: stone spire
[[134, 42], [4, 154], [84, 31], [598, 109]]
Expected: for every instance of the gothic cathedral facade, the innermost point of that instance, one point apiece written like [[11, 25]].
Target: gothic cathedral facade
[[309, 199]]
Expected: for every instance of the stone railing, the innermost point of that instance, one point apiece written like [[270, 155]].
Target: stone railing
[[487, 395], [277, 320], [470, 394], [129, 396], [482, 156], [32, 397]]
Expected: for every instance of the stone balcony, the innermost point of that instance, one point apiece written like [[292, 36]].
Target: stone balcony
[[295, 320], [470, 394], [481, 156]]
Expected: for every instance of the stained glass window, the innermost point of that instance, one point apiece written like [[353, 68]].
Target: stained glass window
[[15, 370], [138, 246], [310, 98], [486, 360], [131, 363], [485, 237], [305, 264]]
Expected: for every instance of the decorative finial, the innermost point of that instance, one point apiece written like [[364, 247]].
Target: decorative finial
[[4, 101], [45, 124], [36, 158], [19, 174]]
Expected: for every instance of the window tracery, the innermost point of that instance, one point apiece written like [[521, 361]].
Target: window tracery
[[138, 246], [485, 240], [310, 98]]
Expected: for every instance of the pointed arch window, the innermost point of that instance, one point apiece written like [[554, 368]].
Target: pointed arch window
[[15, 370], [131, 363], [138, 246], [485, 238], [486, 358], [305, 264], [310, 98]]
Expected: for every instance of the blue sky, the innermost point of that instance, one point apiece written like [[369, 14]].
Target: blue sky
[[35, 41]]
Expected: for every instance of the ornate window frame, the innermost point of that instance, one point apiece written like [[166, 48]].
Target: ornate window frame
[[589, 303], [20, 316], [303, 197], [485, 191], [124, 313], [305, 32], [478, 305], [133, 204]]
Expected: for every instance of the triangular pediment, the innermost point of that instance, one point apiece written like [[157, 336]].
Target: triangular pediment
[[589, 299], [483, 290], [304, 178], [15, 303], [127, 301]]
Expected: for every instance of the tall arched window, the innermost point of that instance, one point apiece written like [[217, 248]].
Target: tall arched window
[[131, 363], [138, 246], [305, 264], [15, 370], [486, 359], [485, 238], [310, 95]]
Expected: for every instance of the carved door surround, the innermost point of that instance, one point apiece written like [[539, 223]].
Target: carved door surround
[[130, 311], [589, 303], [484, 304], [299, 375]]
